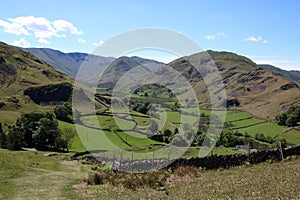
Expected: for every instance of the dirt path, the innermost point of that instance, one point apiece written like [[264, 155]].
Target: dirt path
[[51, 184]]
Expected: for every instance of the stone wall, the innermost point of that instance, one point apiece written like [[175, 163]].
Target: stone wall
[[208, 162]]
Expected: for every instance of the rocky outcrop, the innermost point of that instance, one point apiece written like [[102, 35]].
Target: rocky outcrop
[[50, 93]]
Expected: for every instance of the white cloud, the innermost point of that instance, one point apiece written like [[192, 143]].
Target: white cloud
[[210, 37], [256, 39], [40, 27], [21, 43], [100, 43], [80, 40], [13, 28], [253, 39], [214, 36], [62, 25], [43, 41]]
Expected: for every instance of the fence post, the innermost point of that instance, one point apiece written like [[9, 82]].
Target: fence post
[[114, 162], [280, 149], [131, 162], [153, 159]]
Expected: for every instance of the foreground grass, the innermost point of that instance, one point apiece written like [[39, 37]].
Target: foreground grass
[[263, 181], [36, 175]]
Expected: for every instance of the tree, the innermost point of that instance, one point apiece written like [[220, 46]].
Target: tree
[[232, 102], [142, 108], [167, 135], [15, 138], [292, 120], [3, 138], [228, 139], [289, 118], [67, 137], [37, 129], [281, 119], [198, 139], [64, 113], [29, 122], [47, 134]]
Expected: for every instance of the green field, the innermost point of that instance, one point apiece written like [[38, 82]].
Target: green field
[[108, 139]]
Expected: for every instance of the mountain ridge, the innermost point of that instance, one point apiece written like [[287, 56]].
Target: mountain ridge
[[260, 91]]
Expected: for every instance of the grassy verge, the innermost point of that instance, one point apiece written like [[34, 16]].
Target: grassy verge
[[263, 181]]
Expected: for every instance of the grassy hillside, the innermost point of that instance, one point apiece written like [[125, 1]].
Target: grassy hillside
[[27, 83], [260, 91], [21, 71]]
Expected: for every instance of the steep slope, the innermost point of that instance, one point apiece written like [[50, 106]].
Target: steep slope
[[23, 78], [293, 76], [260, 91], [69, 63]]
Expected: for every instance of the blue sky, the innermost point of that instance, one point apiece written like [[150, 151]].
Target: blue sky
[[266, 31]]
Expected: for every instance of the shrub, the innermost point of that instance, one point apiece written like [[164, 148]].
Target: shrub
[[153, 180], [64, 113]]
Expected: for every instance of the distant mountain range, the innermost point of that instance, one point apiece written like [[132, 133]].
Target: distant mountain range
[[28, 81], [69, 63], [293, 75]]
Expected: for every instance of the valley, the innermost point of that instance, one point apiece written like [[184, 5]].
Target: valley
[[255, 94]]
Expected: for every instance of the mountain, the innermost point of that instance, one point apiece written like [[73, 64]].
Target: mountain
[[263, 91], [130, 68], [69, 63], [28, 83], [259, 91], [293, 75]]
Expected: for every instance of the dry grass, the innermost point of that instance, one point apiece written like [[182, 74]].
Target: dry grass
[[263, 181], [32, 175]]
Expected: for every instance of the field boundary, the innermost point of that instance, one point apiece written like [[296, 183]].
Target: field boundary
[[208, 162]]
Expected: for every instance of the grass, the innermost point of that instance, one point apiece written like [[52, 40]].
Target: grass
[[237, 118], [141, 121], [235, 115], [262, 181], [268, 129], [32, 175], [291, 136], [194, 152], [246, 122], [77, 145], [240, 120]]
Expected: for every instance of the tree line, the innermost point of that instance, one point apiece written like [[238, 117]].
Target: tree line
[[289, 118], [39, 129]]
